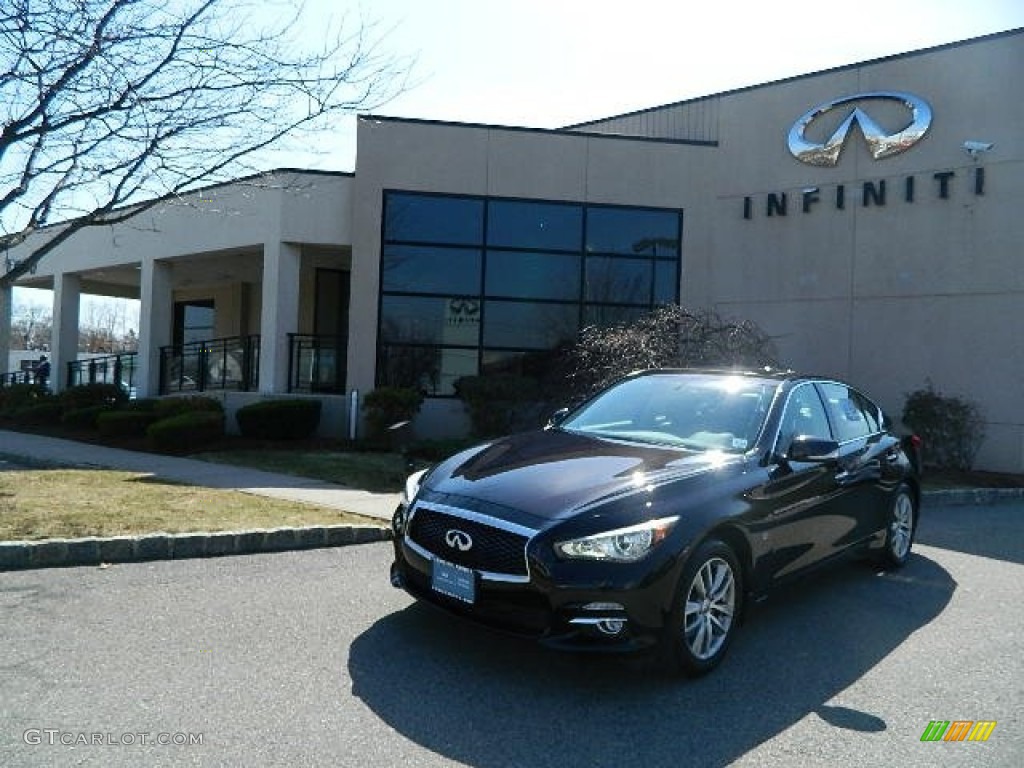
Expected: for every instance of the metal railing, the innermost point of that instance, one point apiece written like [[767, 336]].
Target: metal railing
[[229, 363], [317, 363], [17, 377], [116, 369]]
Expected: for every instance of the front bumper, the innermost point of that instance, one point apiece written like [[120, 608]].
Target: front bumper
[[571, 606]]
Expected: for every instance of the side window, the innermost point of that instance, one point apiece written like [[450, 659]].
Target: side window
[[853, 415], [804, 415]]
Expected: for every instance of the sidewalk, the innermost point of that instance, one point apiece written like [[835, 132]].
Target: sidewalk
[[52, 450]]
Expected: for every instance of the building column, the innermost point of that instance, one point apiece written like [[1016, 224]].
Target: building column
[[279, 313], [156, 307], [6, 310], [67, 295]]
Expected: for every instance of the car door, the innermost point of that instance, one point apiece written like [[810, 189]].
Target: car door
[[793, 525], [865, 460]]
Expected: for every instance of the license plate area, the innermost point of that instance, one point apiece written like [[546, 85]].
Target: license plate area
[[453, 580]]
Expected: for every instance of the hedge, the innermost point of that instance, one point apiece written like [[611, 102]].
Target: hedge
[[187, 431], [292, 419], [124, 423]]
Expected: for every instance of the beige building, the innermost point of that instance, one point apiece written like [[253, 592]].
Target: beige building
[[867, 217]]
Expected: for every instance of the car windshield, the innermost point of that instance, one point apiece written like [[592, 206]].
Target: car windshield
[[703, 412]]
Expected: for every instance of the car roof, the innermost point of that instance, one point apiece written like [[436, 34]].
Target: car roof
[[776, 374]]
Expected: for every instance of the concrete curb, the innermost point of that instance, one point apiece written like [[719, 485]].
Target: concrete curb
[[965, 497], [48, 553]]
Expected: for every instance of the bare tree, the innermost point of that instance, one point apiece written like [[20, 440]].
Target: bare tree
[[31, 327], [108, 107], [668, 337]]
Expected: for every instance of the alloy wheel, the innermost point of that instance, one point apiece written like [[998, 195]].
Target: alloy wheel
[[901, 529], [709, 608]]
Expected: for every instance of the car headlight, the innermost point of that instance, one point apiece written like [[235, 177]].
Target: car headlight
[[412, 486], [624, 545]]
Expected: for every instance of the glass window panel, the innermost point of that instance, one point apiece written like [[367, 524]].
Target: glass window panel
[[535, 364], [633, 231], [521, 275], [619, 281], [433, 219], [423, 320], [431, 269], [516, 224], [529, 325], [847, 409], [433, 370], [605, 316], [666, 282]]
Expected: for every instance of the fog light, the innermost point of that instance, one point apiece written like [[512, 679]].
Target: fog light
[[603, 607], [611, 627]]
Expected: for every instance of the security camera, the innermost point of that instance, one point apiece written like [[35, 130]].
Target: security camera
[[975, 148]]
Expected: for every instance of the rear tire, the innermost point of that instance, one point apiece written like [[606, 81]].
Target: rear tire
[[706, 609], [900, 526]]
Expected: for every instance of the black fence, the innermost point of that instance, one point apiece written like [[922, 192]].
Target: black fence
[[317, 363], [229, 363], [119, 369]]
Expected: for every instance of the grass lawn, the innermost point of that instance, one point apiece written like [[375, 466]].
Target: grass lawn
[[70, 503], [377, 472]]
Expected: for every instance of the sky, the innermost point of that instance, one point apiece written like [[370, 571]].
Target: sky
[[552, 63]]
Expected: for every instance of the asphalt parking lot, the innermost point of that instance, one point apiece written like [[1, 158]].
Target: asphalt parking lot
[[311, 658]]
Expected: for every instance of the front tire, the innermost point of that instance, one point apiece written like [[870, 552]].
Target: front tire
[[706, 610], [901, 524]]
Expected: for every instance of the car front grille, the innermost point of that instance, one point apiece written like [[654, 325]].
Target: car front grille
[[493, 549]]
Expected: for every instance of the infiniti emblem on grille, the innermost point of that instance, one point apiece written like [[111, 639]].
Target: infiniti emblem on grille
[[459, 540]]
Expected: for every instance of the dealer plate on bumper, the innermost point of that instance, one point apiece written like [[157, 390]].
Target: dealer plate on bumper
[[453, 580]]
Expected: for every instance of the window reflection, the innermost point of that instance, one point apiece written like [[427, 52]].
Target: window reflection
[[515, 276]]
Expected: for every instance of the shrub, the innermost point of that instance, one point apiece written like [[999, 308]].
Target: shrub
[[292, 419], [173, 406], [84, 418], [187, 431], [668, 337], [124, 423], [387, 406], [18, 396], [88, 395], [500, 404], [951, 428], [41, 414]]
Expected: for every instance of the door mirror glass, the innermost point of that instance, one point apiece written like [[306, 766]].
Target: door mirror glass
[[557, 418], [814, 449]]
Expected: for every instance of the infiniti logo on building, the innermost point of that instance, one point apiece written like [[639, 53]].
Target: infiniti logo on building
[[459, 540], [880, 143]]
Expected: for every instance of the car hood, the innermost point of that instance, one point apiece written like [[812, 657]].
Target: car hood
[[554, 474]]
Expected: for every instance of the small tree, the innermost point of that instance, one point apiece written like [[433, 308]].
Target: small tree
[[951, 428], [668, 337]]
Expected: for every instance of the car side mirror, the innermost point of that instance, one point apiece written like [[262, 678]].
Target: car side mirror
[[812, 449], [556, 418]]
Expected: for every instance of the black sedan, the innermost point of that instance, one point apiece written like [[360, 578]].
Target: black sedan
[[648, 516]]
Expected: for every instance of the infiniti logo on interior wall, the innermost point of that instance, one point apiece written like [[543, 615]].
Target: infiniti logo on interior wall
[[459, 540], [880, 143]]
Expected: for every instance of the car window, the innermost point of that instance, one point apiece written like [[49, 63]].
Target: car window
[[853, 415], [804, 415]]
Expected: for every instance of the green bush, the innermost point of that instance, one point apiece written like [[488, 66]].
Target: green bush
[[386, 406], [18, 396], [174, 406], [124, 423], [84, 418], [43, 414], [499, 405], [142, 405], [187, 431], [88, 395], [951, 428], [292, 419]]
